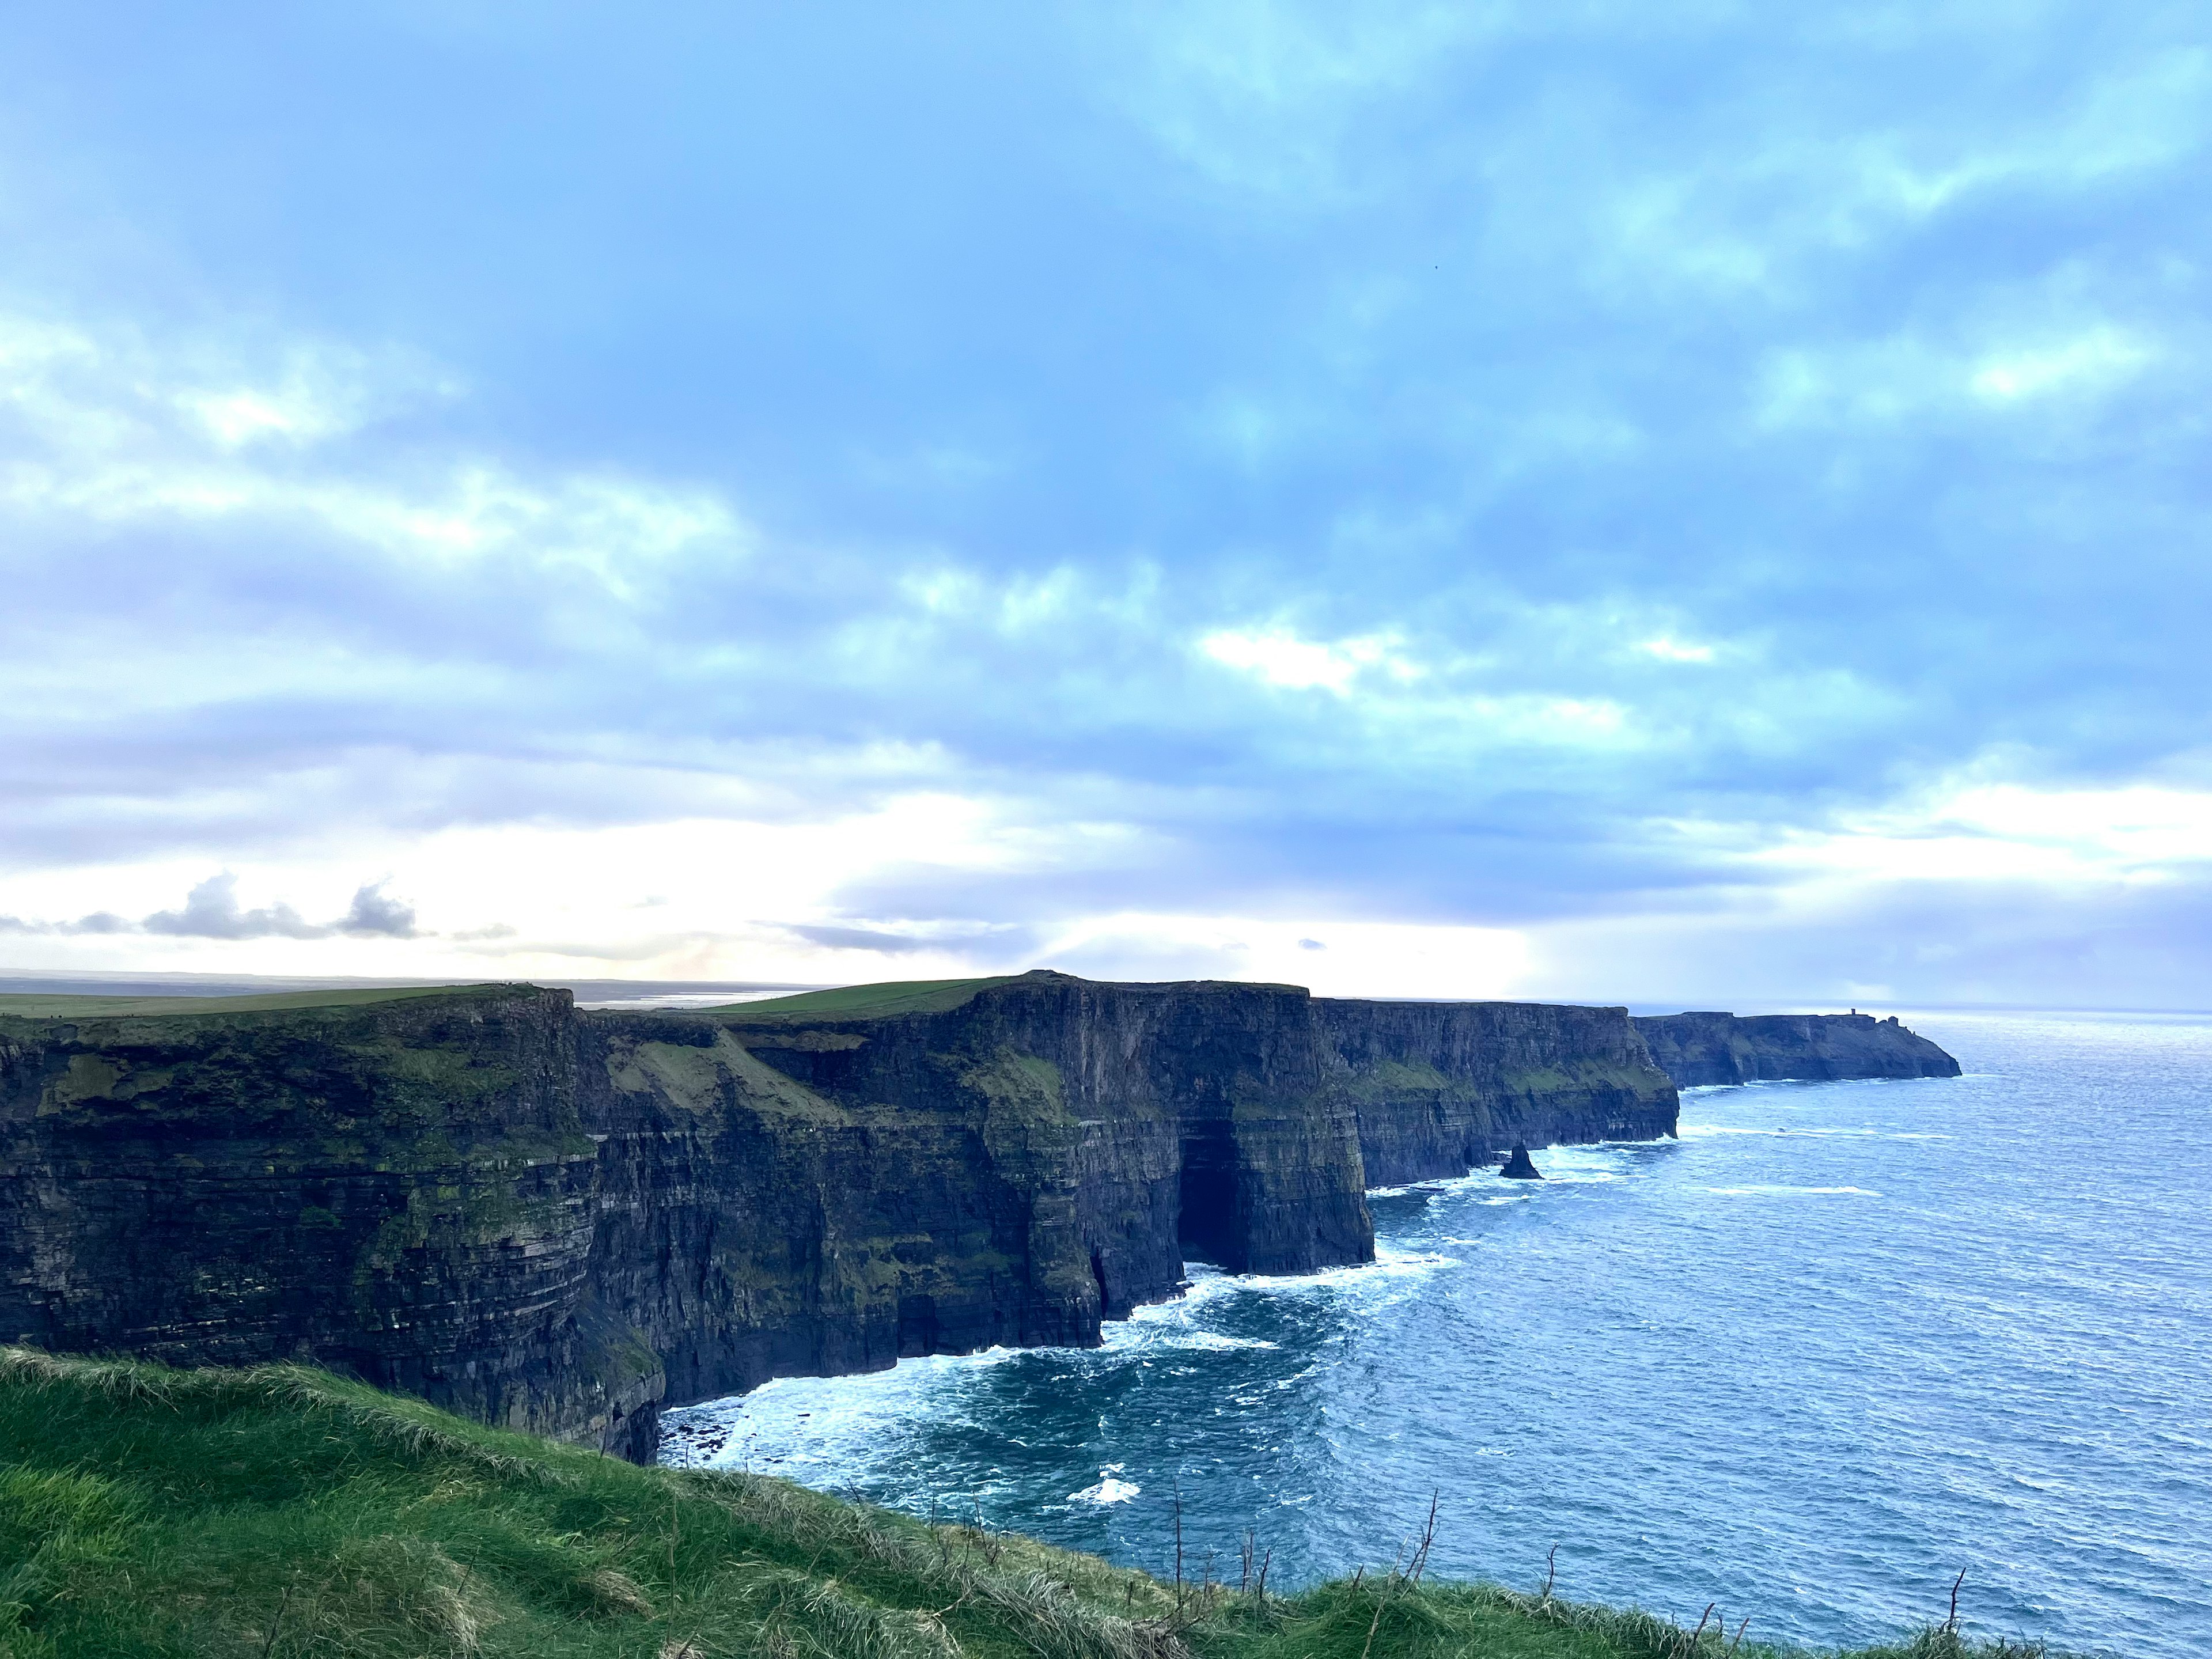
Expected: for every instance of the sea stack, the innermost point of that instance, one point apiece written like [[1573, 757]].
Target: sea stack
[[1520, 1166]]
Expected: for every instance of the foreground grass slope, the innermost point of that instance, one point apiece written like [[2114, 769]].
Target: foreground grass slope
[[282, 1512]]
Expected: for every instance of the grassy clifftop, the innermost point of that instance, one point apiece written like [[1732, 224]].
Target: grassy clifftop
[[281, 1512], [912, 996], [38, 1006]]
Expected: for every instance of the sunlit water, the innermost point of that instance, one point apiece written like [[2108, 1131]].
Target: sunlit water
[[1838, 1342]]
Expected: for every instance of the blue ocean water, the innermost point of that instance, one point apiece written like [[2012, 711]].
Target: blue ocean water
[[1838, 1342]]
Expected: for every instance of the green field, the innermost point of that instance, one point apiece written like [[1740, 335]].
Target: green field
[[912, 996], [281, 1513], [84, 1007]]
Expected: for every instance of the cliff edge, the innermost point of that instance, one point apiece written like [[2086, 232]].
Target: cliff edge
[[1702, 1048]]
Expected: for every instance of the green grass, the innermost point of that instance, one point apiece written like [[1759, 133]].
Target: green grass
[[87, 1007], [281, 1513], [912, 996]]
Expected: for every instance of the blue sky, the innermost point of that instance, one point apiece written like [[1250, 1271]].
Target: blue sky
[[1702, 504]]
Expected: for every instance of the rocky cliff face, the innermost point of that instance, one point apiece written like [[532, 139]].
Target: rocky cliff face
[[1194, 1115], [402, 1186], [752, 1226], [1699, 1048], [1441, 1088], [557, 1220]]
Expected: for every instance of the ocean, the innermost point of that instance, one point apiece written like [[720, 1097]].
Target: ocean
[[1837, 1343]]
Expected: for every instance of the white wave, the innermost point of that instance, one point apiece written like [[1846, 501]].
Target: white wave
[[1699, 1131], [1207, 1284], [1214, 1341], [1441, 1187], [1107, 1489]]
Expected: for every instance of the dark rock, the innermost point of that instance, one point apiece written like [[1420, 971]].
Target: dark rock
[[1520, 1167], [1700, 1048]]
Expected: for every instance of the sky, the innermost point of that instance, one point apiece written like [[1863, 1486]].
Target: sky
[[1704, 504]]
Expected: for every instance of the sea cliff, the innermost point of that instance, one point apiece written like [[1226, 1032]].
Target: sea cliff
[[1700, 1048], [558, 1220], [1441, 1088]]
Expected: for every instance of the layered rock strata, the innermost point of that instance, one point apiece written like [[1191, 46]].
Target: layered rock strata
[[1703, 1048], [558, 1220], [1441, 1088], [410, 1187]]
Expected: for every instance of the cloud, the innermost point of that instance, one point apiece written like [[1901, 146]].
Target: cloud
[[1503, 468], [98, 923], [857, 938], [212, 912], [2098, 357], [1279, 658], [375, 916]]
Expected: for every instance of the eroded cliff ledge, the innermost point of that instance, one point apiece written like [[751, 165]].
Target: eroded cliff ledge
[[1699, 1048], [560, 1220]]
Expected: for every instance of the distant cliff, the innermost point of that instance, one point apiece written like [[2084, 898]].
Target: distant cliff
[[558, 1220], [1706, 1049], [1441, 1088]]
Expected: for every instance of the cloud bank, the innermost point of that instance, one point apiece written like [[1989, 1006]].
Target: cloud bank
[[1530, 500], [211, 911]]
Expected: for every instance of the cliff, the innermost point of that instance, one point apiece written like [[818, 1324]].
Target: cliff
[[401, 1184], [1441, 1088], [1195, 1112], [1699, 1048], [557, 1220]]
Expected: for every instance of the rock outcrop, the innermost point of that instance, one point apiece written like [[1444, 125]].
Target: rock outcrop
[[1519, 1166], [560, 1220], [1703, 1048]]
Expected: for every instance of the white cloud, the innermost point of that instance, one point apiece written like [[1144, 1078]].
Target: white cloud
[[1278, 657], [2147, 114], [2093, 360], [1920, 374], [1990, 832], [116, 434], [1668, 650], [1257, 95]]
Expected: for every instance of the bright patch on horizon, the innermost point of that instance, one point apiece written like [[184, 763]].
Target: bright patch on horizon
[[1357, 958], [2010, 832]]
